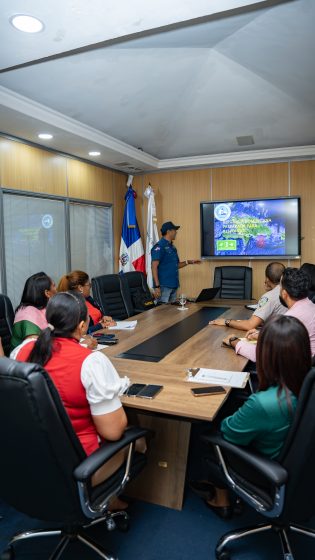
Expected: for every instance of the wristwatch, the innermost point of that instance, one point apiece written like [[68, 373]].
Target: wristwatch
[[227, 322], [232, 339], [157, 287]]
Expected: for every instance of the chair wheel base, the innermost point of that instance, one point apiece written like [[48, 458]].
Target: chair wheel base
[[122, 524], [224, 555], [8, 554]]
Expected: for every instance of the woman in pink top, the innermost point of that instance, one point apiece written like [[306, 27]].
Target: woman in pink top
[[30, 315]]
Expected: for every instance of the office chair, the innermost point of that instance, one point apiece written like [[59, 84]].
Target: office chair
[[45, 472], [235, 282], [6, 322], [283, 491], [310, 271], [135, 282], [113, 296]]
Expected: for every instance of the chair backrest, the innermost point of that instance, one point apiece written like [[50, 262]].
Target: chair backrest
[[112, 294], [310, 271], [136, 283], [298, 457], [6, 322], [39, 447], [235, 282]]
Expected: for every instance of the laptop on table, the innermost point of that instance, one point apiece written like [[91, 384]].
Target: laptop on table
[[205, 295]]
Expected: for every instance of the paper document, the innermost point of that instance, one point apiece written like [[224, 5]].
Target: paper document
[[124, 326], [100, 347], [237, 379]]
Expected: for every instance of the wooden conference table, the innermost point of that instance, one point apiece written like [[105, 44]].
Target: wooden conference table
[[172, 411]]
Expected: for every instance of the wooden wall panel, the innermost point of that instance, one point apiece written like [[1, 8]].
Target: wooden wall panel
[[89, 182], [177, 197], [26, 168], [260, 180], [303, 184]]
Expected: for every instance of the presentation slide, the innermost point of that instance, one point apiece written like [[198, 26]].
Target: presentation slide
[[257, 228]]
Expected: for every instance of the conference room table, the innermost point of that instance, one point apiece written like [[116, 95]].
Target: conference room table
[[171, 413]]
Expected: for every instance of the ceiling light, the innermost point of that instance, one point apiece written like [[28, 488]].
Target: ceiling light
[[94, 153], [45, 136], [28, 24]]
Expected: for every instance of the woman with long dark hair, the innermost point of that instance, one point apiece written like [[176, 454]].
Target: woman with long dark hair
[[30, 314], [79, 281], [263, 422], [88, 383]]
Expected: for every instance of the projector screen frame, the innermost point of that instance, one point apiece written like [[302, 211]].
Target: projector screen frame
[[252, 257]]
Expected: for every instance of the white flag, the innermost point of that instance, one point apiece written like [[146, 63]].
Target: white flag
[[152, 233]]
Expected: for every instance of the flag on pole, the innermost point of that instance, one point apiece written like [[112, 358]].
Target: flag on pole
[[152, 233], [131, 254]]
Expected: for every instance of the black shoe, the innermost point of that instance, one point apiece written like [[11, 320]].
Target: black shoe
[[202, 488], [238, 506], [224, 512]]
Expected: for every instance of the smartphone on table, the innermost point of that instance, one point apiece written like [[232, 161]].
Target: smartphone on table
[[149, 391], [204, 391], [134, 389]]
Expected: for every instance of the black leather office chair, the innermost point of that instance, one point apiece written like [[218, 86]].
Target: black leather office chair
[[137, 285], [112, 295], [283, 491], [310, 271], [45, 472], [235, 282], [6, 322]]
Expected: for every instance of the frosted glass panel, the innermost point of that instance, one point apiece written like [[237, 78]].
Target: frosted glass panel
[[91, 239], [34, 240]]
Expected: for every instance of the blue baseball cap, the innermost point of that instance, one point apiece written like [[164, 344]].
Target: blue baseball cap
[[168, 226]]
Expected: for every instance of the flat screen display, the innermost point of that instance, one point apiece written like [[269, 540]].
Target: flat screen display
[[261, 228]]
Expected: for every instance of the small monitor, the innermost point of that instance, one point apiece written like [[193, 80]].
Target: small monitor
[[258, 228]]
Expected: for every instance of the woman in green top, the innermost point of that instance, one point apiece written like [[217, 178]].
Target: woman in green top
[[30, 315], [263, 422]]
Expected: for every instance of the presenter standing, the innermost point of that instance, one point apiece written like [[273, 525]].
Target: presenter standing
[[165, 264]]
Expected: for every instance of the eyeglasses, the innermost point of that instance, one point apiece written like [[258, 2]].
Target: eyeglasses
[[88, 284]]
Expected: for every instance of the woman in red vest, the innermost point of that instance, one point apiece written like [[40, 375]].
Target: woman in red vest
[[79, 281], [87, 381]]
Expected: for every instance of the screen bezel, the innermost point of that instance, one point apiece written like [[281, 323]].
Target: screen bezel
[[251, 257]]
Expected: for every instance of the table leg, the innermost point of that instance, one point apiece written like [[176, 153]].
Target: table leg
[[162, 481]]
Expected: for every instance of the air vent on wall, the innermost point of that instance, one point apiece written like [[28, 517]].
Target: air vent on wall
[[123, 164], [245, 140]]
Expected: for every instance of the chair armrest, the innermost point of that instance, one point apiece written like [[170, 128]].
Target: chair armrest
[[270, 469], [94, 461]]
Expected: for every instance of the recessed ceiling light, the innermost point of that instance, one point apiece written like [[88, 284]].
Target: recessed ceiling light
[[27, 24], [45, 136], [94, 153]]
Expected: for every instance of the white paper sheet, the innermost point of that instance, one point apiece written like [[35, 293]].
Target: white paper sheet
[[124, 326], [236, 379], [100, 347]]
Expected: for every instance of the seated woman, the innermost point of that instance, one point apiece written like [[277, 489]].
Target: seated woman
[[30, 315], [263, 422], [80, 282], [88, 383]]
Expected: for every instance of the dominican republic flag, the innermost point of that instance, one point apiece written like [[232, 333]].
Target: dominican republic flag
[[152, 232], [131, 254]]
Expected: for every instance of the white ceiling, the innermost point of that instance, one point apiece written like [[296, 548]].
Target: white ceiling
[[178, 93]]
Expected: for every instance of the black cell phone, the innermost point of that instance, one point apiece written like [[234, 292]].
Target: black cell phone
[[204, 391], [108, 341], [103, 335], [149, 391], [134, 389]]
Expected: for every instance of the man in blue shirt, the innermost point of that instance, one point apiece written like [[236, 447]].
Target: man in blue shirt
[[165, 264]]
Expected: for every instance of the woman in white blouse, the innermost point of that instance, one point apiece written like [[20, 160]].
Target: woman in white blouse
[[87, 381]]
